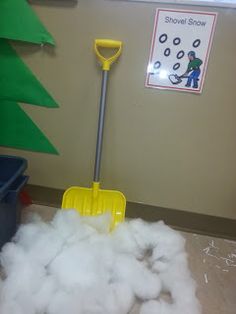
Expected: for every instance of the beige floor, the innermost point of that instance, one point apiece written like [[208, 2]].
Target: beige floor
[[211, 260]]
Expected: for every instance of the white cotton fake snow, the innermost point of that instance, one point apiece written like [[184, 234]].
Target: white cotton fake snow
[[73, 265]]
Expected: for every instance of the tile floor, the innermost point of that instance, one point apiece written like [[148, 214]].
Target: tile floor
[[211, 260]]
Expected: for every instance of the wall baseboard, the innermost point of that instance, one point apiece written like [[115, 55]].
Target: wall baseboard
[[178, 219]]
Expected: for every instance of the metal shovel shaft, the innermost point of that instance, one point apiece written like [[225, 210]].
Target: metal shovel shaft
[[97, 166]]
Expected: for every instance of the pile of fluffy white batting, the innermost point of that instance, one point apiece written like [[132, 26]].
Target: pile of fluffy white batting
[[73, 265]]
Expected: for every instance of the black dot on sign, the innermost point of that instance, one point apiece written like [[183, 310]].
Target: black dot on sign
[[180, 54], [157, 65], [176, 66], [176, 41], [163, 38], [196, 43], [167, 52]]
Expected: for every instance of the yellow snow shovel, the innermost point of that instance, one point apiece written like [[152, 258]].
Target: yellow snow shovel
[[93, 201]]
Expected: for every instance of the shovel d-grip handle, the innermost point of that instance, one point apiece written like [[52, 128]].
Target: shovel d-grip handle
[[110, 44]]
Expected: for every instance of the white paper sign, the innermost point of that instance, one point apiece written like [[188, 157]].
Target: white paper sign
[[180, 49]]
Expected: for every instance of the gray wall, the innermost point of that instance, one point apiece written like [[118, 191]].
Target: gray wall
[[162, 148]]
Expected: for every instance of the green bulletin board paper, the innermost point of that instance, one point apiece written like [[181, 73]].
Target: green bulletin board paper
[[17, 82], [19, 131], [19, 22]]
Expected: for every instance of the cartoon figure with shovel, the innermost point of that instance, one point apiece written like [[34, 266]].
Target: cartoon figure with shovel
[[192, 73]]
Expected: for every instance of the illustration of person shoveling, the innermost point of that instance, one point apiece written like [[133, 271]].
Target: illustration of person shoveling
[[192, 73]]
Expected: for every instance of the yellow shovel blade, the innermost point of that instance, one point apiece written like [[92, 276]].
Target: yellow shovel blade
[[94, 201]]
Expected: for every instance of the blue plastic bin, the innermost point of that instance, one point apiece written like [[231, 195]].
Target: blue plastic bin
[[12, 182]]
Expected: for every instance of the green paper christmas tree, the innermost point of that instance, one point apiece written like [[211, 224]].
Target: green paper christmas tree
[[17, 82]]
